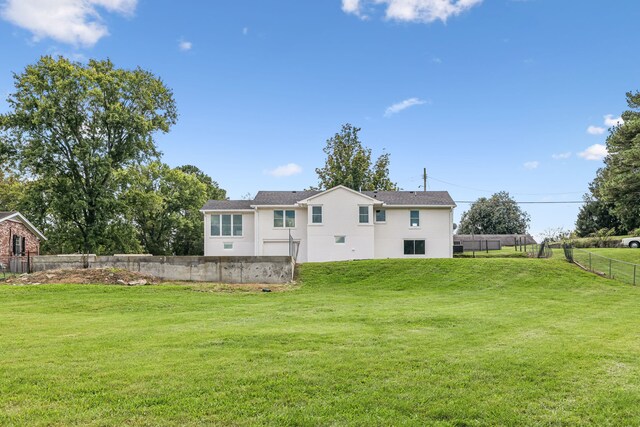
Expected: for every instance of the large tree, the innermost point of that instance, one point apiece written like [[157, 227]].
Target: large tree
[[163, 204], [348, 163], [72, 126], [498, 214], [596, 215], [618, 182], [190, 236]]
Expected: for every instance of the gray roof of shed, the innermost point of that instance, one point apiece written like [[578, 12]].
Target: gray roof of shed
[[6, 214], [505, 239], [290, 198]]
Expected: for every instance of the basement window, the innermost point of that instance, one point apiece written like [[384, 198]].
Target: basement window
[[414, 247], [341, 240], [228, 245]]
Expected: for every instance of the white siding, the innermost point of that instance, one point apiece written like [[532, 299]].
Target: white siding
[[435, 229], [275, 240], [242, 246], [340, 217]]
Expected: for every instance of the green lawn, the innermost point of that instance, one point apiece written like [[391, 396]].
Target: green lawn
[[391, 342], [623, 254]]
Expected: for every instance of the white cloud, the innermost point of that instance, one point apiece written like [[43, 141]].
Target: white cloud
[[286, 170], [245, 31], [403, 105], [595, 152], [351, 6], [611, 121], [596, 130], [531, 165], [185, 45], [75, 22], [413, 10], [561, 156]]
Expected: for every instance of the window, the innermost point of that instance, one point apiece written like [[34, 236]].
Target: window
[[414, 247], [364, 215], [226, 225], [228, 245], [415, 218], [381, 215], [282, 218], [19, 245], [316, 215], [341, 240]]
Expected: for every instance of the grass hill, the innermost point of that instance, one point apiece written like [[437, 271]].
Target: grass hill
[[388, 342]]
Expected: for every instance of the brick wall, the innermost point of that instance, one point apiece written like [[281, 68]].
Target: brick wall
[[10, 228]]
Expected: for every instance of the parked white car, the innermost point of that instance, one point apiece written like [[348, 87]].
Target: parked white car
[[631, 242]]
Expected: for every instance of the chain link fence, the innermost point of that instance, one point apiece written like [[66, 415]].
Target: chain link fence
[[606, 267], [542, 250]]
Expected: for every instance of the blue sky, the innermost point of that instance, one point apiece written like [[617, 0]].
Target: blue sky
[[487, 95]]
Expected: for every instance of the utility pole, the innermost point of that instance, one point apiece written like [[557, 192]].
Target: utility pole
[[424, 177]]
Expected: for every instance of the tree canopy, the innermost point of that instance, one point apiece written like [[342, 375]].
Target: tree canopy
[[498, 214], [349, 163], [72, 126], [596, 215], [617, 184]]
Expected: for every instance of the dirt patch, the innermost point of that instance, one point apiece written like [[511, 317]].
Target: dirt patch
[[97, 276], [114, 276]]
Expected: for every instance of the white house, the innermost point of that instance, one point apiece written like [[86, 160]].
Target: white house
[[332, 225]]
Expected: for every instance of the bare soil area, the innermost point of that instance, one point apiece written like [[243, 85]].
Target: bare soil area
[[105, 276], [113, 276]]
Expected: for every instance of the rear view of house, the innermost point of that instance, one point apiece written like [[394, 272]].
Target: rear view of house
[[332, 225], [19, 239]]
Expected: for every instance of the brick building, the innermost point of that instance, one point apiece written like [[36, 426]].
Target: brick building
[[18, 238]]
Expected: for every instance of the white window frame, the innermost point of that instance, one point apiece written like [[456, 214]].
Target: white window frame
[[384, 213], [343, 238], [233, 224], [314, 214], [227, 246], [360, 215], [411, 218], [284, 218]]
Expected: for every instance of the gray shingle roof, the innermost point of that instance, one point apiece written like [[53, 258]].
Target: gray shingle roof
[[3, 215], [290, 198], [412, 198], [283, 197], [227, 205]]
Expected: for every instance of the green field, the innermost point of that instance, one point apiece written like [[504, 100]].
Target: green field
[[622, 254], [390, 342]]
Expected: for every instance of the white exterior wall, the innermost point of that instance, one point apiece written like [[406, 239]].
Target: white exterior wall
[[436, 229], [242, 246], [340, 217], [272, 240]]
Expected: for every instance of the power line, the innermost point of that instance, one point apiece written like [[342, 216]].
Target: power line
[[536, 203], [491, 192]]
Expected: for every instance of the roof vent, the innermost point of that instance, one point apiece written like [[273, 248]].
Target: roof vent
[[294, 192]]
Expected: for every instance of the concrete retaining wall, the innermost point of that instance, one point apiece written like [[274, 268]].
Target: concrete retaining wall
[[267, 269]]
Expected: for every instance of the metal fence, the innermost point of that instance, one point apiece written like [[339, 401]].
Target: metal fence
[[542, 250], [623, 271]]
